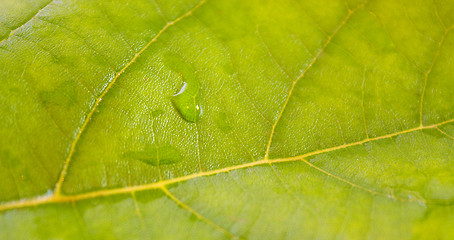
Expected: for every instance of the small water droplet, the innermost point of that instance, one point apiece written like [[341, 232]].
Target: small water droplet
[[156, 155], [187, 100], [222, 123]]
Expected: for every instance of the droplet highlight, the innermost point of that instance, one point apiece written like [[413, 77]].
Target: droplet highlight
[[187, 99], [156, 155]]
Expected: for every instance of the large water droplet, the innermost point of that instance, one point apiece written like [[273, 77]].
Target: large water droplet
[[156, 155], [187, 100], [187, 103]]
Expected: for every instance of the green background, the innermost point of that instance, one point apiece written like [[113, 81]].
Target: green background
[[318, 119]]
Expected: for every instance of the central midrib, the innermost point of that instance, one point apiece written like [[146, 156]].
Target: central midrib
[[161, 184]]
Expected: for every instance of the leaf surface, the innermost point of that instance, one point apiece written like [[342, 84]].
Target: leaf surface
[[226, 119]]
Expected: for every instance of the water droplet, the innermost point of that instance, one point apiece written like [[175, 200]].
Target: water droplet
[[222, 123], [156, 155], [157, 112], [187, 100]]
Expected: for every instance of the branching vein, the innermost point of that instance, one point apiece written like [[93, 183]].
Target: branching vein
[[317, 56], [23, 24], [57, 197], [197, 214], [427, 73], [161, 184], [104, 92]]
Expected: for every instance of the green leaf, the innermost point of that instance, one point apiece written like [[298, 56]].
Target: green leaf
[[154, 119]]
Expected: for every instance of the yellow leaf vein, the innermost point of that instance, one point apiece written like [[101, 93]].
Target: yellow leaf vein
[[64, 171], [162, 184]]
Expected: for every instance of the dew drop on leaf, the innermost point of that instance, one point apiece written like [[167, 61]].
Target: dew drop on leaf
[[187, 104], [156, 155], [187, 100]]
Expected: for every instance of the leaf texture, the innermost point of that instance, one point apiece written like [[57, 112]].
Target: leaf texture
[[318, 119]]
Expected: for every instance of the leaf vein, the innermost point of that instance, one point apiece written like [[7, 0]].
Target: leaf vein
[[63, 173], [159, 185], [426, 75], [317, 56], [23, 24], [197, 214]]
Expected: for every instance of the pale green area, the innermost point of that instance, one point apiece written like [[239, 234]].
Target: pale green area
[[366, 67]]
